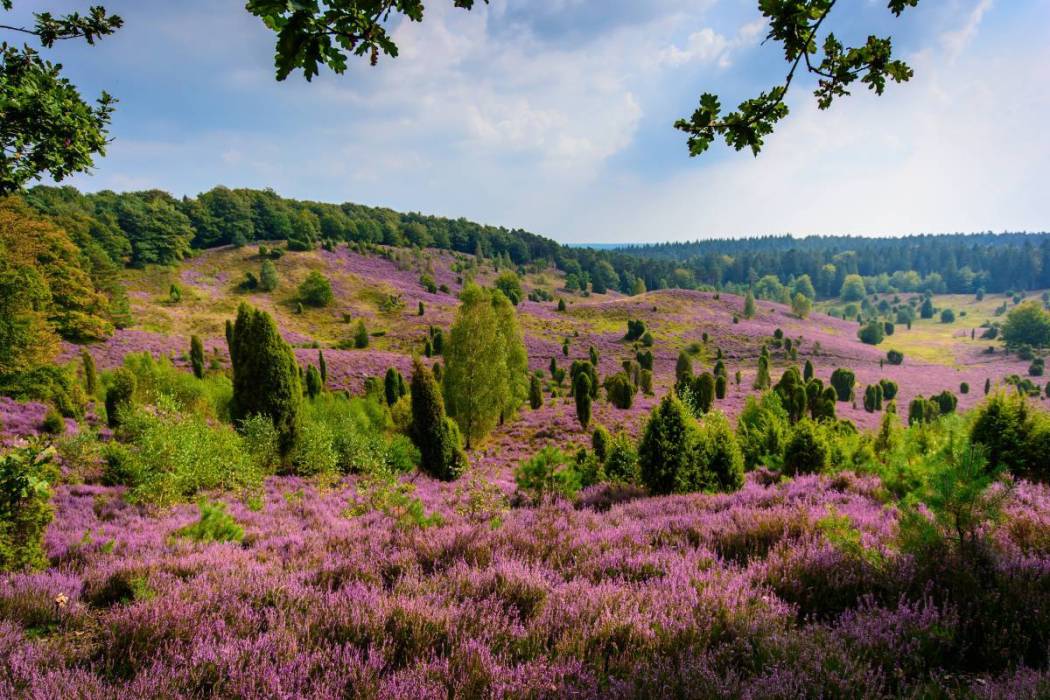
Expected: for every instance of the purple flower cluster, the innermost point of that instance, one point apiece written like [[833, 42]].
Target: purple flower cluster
[[738, 595]]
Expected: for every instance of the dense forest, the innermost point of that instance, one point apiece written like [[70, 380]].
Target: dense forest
[[111, 230]]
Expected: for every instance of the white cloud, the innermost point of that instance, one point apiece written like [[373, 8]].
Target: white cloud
[[956, 41]]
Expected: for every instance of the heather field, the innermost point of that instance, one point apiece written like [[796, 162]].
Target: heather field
[[331, 583]]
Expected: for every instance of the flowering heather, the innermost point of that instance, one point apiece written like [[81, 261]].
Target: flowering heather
[[737, 595]]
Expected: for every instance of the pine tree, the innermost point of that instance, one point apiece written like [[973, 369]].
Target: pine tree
[[197, 356], [664, 451], [436, 436], [265, 375], [361, 336], [535, 393], [749, 305], [313, 382], [90, 374], [581, 391], [119, 395], [393, 384], [683, 370]]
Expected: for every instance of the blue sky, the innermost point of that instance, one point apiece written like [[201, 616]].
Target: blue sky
[[555, 116]]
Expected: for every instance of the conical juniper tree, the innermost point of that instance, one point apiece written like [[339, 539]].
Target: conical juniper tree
[[434, 433], [265, 375]]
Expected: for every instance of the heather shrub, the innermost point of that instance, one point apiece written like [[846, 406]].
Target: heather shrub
[[315, 290], [548, 474], [806, 450], [664, 451], [26, 474], [214, 525]]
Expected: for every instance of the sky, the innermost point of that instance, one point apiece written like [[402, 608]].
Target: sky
[[556, 116]]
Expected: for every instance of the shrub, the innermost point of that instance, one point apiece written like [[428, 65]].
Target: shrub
[[720, 386], [792, 393], [889, 389], [214, 525], [314, 452], [394, 386], [647, 339], [806, 451], [645, 381], [762, 429], [964, 388], [600, 440], [169, 456], [535, 393], [441, 454], [807, 371], [313, 382], [581, 391], [843, 381], [621, 461], [265, 375], [635, 330], [509, 283], [873, 398], [549, 473], [946, 402], [197, 356], [90, 373], [1003, 426], [620, 390], [1027, 324], [25, 476], [119, 395], [426, 281], [645, 359], [719, 460], [360, 336], [895, 357], [663, 453], [315, 290], [561, 305], [1037, 367], [52, 384], [53, 423], [922, 410], [872, 334], [268, 277], [703, 393]]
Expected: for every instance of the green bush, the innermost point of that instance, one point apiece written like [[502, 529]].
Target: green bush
[[56, 385], [314, 452], [535, 393], [119, 395], [620, 390], [718, 460], [762, 429], [361, 336], [26, 474], [316, 290], [621, 461], [581, 391], [154, 378], [664, 451], [843, 381], [268, 277], [947, 316], [895, 357], [548, 474], [214, 525], [600, 440], [872, 334], [807, 451], [167, 456]]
